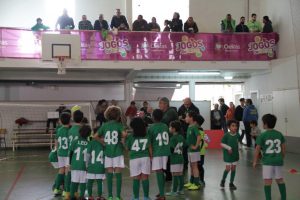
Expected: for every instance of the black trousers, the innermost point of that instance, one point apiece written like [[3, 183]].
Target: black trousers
[[53, 121], [248, 132], [201, 168]]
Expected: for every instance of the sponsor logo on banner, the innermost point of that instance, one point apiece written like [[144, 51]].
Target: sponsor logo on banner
[[262, 45], [3, 43], [190, 46], [112, 45], [227, 47]]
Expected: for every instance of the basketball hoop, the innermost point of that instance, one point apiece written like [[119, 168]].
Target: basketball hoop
[[61, 64]]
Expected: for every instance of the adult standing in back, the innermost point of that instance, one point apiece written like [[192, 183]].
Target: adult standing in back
[[223, 109], [101, 24], [268, 28], [176, 23], [238, 115], [254, 25], [242, 27], [190, 26], [140, 24], [64, 21], [85, 24], [250, 114], [153, 25], [119, 22], [228, 24], [187, 106]]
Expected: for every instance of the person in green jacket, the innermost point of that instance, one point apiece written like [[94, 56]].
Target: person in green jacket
[[228, 24], [253, 25], [39, 25]]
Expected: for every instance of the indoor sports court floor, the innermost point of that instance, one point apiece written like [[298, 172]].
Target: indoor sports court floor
[[27, 174]]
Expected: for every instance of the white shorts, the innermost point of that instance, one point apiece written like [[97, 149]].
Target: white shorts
[[230, 163], [55, 165], [63, 161], [177, 168], [78, 176], [140, 166], [95, 176], [159, 162], [114, 162], [272, 172], [194, 157]]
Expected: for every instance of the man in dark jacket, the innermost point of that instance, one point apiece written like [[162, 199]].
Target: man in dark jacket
[[238, 115], [65, 22], [250, 114], [119, 22], [268, 28], [176, 23], [140, 24], [223, 109], [242, 28], [100, 24], [186, 107]]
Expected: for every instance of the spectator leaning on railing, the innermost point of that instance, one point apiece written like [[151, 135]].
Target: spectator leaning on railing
[[64, 21], [268, 28], [140, 24], [39, 25], [153, 25], [241, 28], [176, 23], [190, 26], [85, 24], [167, 26], [101, 24], [119, 22], [228, 24], [254, 25]]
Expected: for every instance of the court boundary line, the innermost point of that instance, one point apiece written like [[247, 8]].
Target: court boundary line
[[12, 187]]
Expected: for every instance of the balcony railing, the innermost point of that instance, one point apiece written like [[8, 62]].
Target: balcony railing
[[145, 46]]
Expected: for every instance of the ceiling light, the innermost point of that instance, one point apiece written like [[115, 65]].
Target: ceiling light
[[178, 85], [228, 77], [200, 73]]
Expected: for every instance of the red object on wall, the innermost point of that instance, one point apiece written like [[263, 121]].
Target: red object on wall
[[215, 137]]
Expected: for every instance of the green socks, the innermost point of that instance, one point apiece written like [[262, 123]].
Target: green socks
[[267, 189], [90, 187], [109, 183], [136, 188], [74, 188], [145, 184], [82, 189], [181, 182], [99, 184], [119, 184], [282, 190], [175, 183], [67, 182], [232, 175], [225, 175], [192, 179], [59, 180], [161, 183]]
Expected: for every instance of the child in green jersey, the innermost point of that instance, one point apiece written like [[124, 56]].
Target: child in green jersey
[[193, 141], [73, 134], [177, 143], [272, 145], [230, 144], [159, 134], [114, 134], [203, 145], [95, 167], [78, 156], [62, 146], [139, 147]]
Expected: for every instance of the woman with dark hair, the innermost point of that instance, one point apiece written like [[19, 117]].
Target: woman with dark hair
[[190, 26], [268, 28], [140, 152], [176, 23], [153, 25]]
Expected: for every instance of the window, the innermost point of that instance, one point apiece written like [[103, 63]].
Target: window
[[180, 93], [212, 92]]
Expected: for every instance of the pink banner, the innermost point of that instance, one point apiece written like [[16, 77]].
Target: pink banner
[[16, 43]]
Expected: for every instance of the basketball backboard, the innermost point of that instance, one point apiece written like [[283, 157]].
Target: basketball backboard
[[60, 45]]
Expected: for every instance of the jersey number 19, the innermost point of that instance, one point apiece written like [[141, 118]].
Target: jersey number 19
[[162, 138]]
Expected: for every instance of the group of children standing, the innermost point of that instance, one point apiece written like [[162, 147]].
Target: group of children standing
[[82, 159]]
